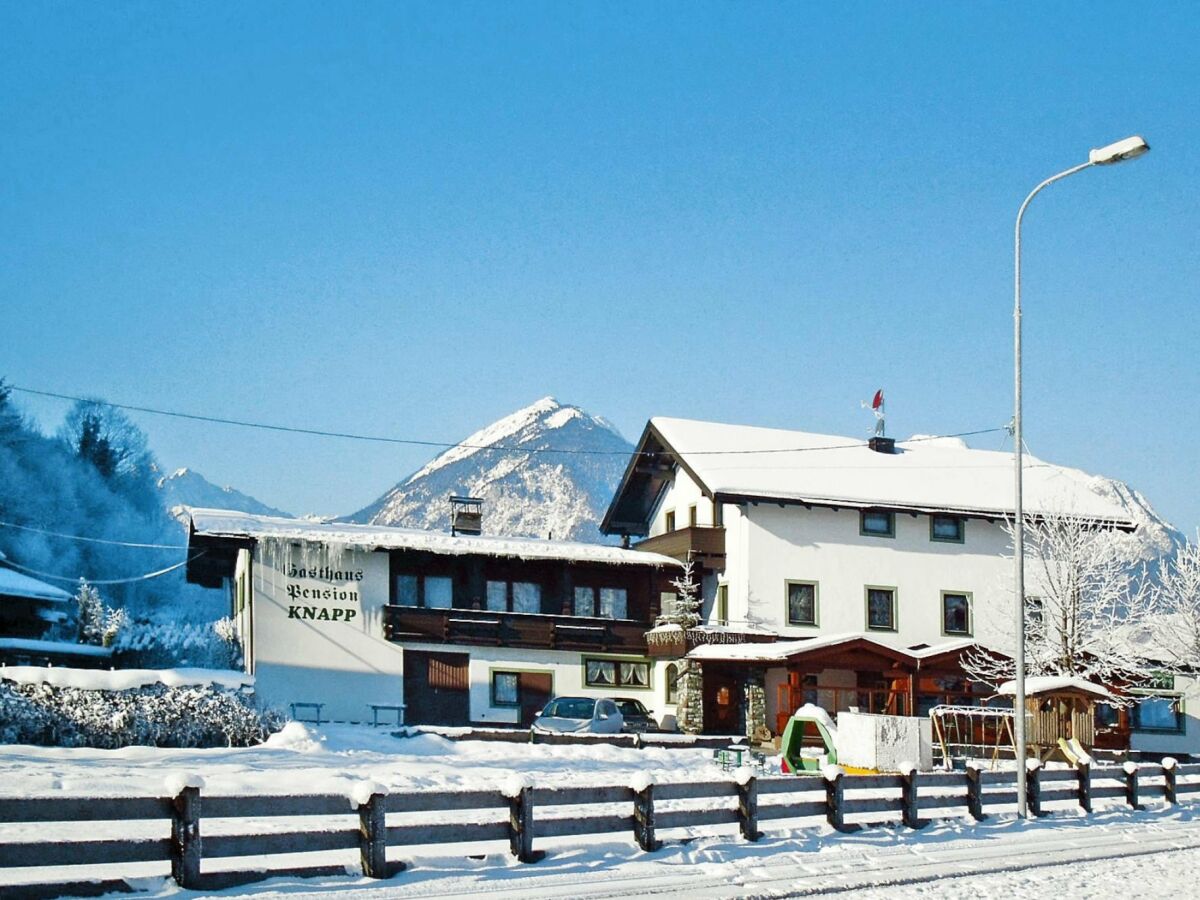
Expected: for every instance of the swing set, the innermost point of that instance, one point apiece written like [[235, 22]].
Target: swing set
[[971, 731]]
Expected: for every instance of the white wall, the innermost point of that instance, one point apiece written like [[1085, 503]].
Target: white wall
[[824, 545], [340, 660]]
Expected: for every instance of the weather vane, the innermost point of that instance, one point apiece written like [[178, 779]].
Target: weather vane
[[877, 409]]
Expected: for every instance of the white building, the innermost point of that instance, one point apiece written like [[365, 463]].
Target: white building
[[457, 630], [873, 566]]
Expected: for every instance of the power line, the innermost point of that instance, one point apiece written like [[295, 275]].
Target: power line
[[91, 540], [492, 448], [79, 578]]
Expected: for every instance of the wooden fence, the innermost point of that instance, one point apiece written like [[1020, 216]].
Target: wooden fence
[[561, 812]]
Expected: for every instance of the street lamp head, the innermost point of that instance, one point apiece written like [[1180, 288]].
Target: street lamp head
[[1130, 148]]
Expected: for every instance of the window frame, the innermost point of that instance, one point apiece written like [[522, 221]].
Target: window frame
[[498, 704], [669, 521], [895, 592], [616, 662], [671, 683], [970, 598], [787, 602], [721, 604], [862, 523], [960, 521]]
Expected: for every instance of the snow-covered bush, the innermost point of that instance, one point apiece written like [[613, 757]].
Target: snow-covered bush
[[158, 645], [155, 715]]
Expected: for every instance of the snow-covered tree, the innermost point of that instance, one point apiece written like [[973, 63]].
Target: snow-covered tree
[[685, 611], [1087, 599], [1179, 596], [97, 623]]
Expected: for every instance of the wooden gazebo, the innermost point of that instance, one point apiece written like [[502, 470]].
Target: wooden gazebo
[[1059, 710]]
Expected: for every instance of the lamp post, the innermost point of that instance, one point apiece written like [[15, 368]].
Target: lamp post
[[1129, 148]]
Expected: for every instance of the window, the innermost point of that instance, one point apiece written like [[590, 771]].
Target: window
[[506, 689], [948, 529], [527, 597], [722, 604], [606, 673], [802, 602], [672, 679], [718, 513], [1161, 713], [881, 608], [406, 590], [956, 613], [585, 601], [668, 603], [1035, 611], [692, 520], [497, 596], [669, 521], [875, 522], [614, 603], [439, 592]]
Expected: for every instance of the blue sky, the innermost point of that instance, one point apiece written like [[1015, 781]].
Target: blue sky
[[411, 220]]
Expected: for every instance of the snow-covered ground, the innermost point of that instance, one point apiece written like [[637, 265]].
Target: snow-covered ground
[[1114, 852]]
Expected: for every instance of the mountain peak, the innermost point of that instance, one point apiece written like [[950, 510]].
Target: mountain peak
[[529, 489]]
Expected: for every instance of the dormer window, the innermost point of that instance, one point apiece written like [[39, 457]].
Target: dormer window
[[948, 529], [877, 523]]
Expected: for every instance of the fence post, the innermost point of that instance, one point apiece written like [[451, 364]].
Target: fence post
[[835, 797], [1084, 770], [372, 837], [520, 825], [185, 838], [1170, 780], [910, 812], [748, 808], [1131, 784], [975, 793], [1033, 788], [643, 818]]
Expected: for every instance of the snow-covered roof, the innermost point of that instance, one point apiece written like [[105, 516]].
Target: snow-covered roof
[[32, 645], [937, 474], [781, 651], [229, 523], [15, 584], [123, 679], [1048, 684]]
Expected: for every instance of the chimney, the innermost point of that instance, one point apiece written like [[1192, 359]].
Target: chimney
[[882, 444], [466, 515]]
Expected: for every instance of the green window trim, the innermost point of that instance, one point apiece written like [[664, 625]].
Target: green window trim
[[617, 685], [492, 673], [970, 598], [862, 523], [1180, 726], [894, 591], [940, 539], [787, 601]]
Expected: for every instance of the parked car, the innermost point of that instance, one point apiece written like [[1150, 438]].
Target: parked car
[[637, 717], [565, 715]]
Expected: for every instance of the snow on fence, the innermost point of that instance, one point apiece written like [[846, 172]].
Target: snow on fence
[[641, 810]]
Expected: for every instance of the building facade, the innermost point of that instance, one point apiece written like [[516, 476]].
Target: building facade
[[871, 566], [455, 630]]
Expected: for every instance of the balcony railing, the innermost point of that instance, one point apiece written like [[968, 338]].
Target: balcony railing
[[504, 629], [704, 544]]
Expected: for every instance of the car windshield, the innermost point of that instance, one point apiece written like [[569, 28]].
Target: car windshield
[[631, 708], [571, 708]]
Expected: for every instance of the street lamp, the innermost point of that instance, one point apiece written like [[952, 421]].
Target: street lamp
[[1129, 148]]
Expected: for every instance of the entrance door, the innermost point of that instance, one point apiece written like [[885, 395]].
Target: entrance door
[[436, 688], [535, 690], [722, 702]]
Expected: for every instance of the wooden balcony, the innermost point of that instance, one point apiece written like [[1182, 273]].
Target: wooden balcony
[[503, 629], [706, 545]]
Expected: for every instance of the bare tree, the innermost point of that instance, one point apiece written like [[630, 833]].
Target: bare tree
[[1088, 608], [105, 437]]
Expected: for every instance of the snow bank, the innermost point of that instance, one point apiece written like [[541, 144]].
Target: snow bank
[[297, 737], [124, 679]]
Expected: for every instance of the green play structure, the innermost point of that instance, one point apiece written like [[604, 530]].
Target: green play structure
[[808, 741]]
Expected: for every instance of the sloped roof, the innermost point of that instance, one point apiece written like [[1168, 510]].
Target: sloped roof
[[232, 524], [15, 584], [924, 474]]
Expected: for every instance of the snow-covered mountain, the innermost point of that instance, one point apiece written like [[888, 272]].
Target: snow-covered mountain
[[183, 487], [525, 492]]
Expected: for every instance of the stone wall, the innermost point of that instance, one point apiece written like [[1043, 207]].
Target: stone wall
[[756, 707], [690, 709]]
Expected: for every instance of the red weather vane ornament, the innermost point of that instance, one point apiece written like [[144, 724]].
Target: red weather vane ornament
[[877, 409]]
